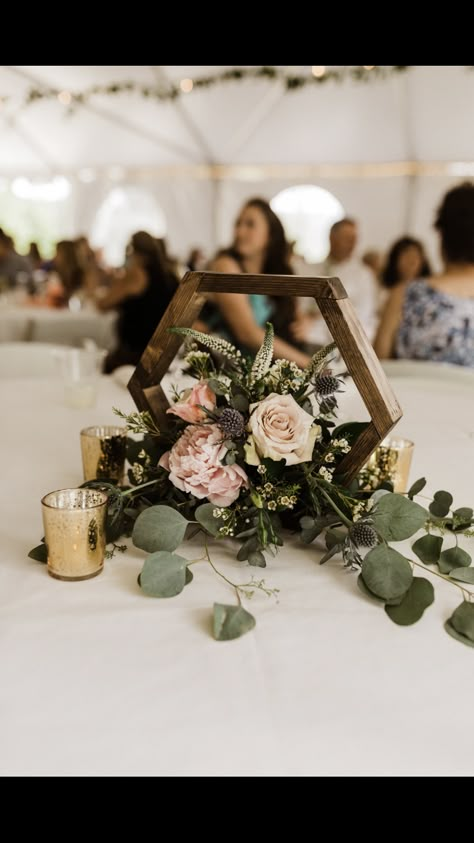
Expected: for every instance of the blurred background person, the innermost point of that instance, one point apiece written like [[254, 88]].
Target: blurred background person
[[15, 269], [406, 261], [141, 293], [358, 280], [433, 318], [259, 246], [196, 260]]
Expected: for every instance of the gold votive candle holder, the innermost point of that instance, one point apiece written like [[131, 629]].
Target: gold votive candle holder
[[74, 530], [103, 451], [391, 462]]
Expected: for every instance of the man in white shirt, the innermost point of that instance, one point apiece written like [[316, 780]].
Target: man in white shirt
[[357, 279]]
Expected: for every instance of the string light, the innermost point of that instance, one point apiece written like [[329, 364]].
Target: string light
[[186, 85], [318, 71]]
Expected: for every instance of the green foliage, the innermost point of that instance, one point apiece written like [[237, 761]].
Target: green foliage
[[39, 553], [462, 575], [419, 596], [231, 622], [455, 557], [428, 548], [416, 488], [205, 517], [397, 518], [441, 504], [386, 573], [461, 622], [163, 574], [159, 528]]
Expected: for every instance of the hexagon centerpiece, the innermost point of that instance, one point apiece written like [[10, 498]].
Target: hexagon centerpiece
[[341, 319]]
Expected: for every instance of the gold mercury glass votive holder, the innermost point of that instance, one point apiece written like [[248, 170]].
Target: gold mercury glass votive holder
[[74, 530], [103, 452], [391, 462]]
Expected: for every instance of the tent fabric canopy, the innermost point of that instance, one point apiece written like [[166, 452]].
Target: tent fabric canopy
[[421, 115], [387, 150]]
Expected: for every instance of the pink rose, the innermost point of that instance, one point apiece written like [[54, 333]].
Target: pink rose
[[195, 466], [280, 429], [188, 409]]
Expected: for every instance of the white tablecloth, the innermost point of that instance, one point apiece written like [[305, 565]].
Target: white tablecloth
[[98, 679], [18, 324]]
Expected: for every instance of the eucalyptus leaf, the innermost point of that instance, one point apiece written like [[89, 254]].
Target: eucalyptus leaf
[[463, 517], [159, 528], [455, 634], [419, 596], [462, 574], [229, 459], [249, 546], [311, 533], [189, 576], [416, 487], [366, 591], [465, 512], [334, 537], [163, 574], [204, 515], [455, 557], [306, 522], [240, 403], [396, 518], [462, 620], [257, 559], [441, 504], [231, 622], [337, 548], [217, 387], [428, 548], [39, 553], [386, 572]]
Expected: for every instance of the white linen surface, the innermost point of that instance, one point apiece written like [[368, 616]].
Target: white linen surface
[[97, 679]]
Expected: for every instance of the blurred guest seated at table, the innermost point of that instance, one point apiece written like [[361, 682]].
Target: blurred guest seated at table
[[85, 253], [406, 261], [196, 260], [68, 266], [15, 269], [141, 293], [433, 318], [259, 247], [34, 257], [358, 280]]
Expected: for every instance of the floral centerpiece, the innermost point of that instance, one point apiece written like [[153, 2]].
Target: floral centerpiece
[[252, 452]]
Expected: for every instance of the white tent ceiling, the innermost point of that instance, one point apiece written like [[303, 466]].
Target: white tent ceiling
[[423, 115], [387, 149]]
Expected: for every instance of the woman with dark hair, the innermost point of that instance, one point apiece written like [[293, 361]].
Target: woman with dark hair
[[433, 319], [406, 261], [141, 294], [259, 247]]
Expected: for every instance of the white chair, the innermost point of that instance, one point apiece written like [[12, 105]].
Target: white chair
[[28, 359]]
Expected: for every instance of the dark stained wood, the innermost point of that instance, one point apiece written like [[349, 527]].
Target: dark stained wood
[[272, 285], [340, 316]]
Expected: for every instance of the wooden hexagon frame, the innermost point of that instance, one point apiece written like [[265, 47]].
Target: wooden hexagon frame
[[341, 319]]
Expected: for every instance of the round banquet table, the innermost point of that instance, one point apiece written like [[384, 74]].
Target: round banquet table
[[98, 679]]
